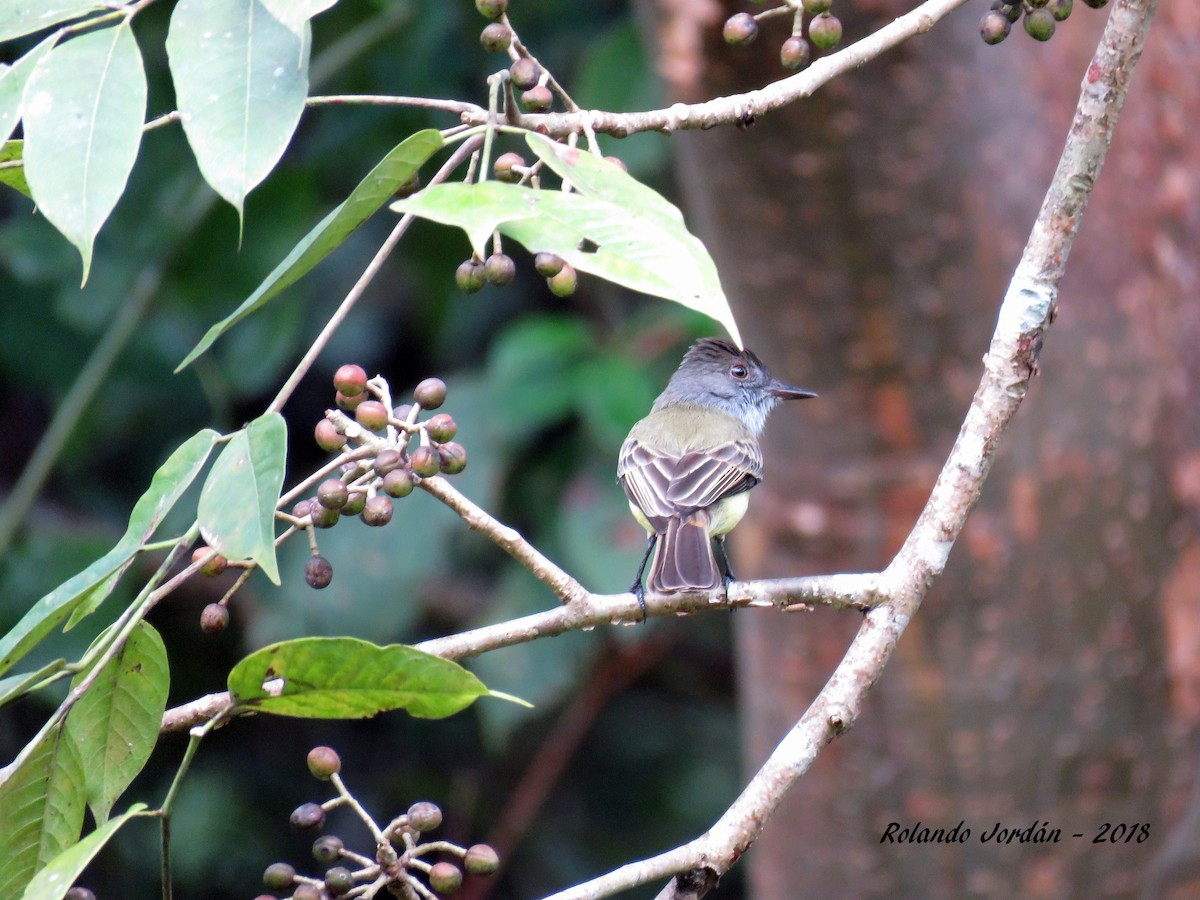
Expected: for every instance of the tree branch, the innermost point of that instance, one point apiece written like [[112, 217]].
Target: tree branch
[[1025, 314]]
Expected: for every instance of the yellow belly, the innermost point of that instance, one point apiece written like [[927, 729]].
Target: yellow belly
[[723, 516]]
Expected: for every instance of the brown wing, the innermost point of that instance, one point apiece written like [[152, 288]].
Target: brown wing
[[665, 484]]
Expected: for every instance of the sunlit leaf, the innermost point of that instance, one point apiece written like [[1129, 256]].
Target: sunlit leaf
[[241, 79], [295, 13], [12, 86], [237, 504], [347, 678], [115, 723], [364, 201], [84, 107], [18, 17]]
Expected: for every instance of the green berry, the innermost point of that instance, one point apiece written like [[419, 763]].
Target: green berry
[[469, 276], [452, 458], [279, 876], [445, 877], [563, 284], [425, 462], [441, 428], [816, 7], [327, 849], [994, 27], [499, 269], [491, 9], [398, 483], [1039, 24], [740, 29], [1060, 9], [481, 859], [358, 499], [333, 493], [339, 880], [323, 516], [547, 264], [506, 166], [825, 31], [538, 99]]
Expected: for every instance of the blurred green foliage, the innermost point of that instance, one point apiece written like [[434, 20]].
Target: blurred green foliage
[[543, 390]]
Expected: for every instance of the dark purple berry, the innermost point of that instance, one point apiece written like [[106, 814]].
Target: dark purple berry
[[740, 29], [318, 572], [308, 817], [525, 73], [430, 393]]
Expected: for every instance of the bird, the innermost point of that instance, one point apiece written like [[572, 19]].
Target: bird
[[688, 466]]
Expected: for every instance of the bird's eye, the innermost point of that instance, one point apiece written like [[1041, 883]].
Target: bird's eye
[[739, 371]]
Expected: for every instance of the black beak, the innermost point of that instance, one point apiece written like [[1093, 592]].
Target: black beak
[[787, 392]]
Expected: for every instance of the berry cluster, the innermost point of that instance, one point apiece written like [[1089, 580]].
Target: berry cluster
[[1039, 17], [525, 74], [813, 25], [399, 863]]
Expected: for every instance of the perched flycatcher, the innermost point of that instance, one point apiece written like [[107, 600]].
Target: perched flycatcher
[[687, 467]]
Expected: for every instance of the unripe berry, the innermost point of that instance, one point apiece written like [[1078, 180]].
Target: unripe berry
[[1096, 4], [424, 461], [387, 460], [563, 284], [481, 859], [816, 7], [279, 876], [442, 428], [217, 564], [452, 458], [469, 276], [372, 414], [323, 516], [795, 53], [740, 29], [378, 511], [524, 73], [825, 31], [499, 269], [318, 572], [327, 849], [1039, 24], [333, 493], [424, 816], [350, 404], [308, 817], [430, 393], [538, 99], [491, 9], [445, 877], [339, 880], [495, 37], [547, 264], [306, 891], [355, 504], [994, 27], [1060, 9], [506, 165], [398, 483], [323, 762], [214, 619], [302, 508], [351, 380], [327, 436]]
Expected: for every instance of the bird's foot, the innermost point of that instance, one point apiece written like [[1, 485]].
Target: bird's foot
[[639, 594]]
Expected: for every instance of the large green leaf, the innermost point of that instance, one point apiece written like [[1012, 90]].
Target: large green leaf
[[241, 79], [237, 504], [53, 881], [12, 86], [83, 592], [347, 678], [612, 227], [115, 723], [12, 167], [15, 685], [84, 107], [41, 806], [401, 163], [18, 18]]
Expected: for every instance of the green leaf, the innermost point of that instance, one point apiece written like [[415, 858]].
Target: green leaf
[[241, 79], [18, 18], [41, 806], [364, 201], [12, 167], [237, 504], [12, 86], [630, 236], [15, 685], [347, 678], [115, 723], [84, 107], [53, 881], [83, 592]]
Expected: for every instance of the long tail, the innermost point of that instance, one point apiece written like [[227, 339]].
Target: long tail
[[683, 558]]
